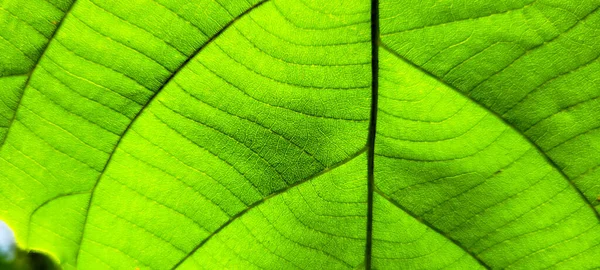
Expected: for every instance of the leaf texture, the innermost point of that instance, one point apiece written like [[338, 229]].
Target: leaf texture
[[302, 134]]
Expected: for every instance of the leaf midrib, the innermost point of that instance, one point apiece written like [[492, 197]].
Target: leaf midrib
[[372, 129], [376, 43]]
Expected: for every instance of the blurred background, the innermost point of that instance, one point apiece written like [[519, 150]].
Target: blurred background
[[12, 258], [7, 243]]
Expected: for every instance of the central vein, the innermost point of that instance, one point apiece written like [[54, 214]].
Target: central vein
[[372, 126]]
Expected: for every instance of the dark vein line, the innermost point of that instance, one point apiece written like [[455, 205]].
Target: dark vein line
[[46, 203], [505, 122], [534, 48], [58, 197], [274, 194], [372, 128], [14, 75], [430, 226], [35, 65], [167, 81]]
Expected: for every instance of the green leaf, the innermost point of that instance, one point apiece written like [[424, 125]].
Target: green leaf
[[311, 134]]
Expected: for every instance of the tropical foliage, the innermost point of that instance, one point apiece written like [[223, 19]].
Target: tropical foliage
[[312, 134]]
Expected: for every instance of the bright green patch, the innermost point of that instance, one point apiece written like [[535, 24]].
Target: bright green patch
[[286, 134]]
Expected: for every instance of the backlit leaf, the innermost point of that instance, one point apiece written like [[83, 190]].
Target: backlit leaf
[[310, 134]]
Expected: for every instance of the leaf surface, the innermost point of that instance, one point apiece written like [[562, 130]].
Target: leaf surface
[[285, 134]]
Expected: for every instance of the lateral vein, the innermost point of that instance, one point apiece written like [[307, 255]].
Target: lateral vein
[[430, 226], [254, 205], [167, 81], [504, 121], [29, 74]]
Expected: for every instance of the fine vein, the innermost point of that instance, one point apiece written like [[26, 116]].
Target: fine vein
[[181, 66], [430, 226], [254, 205], [505, 122], [29, 75]]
